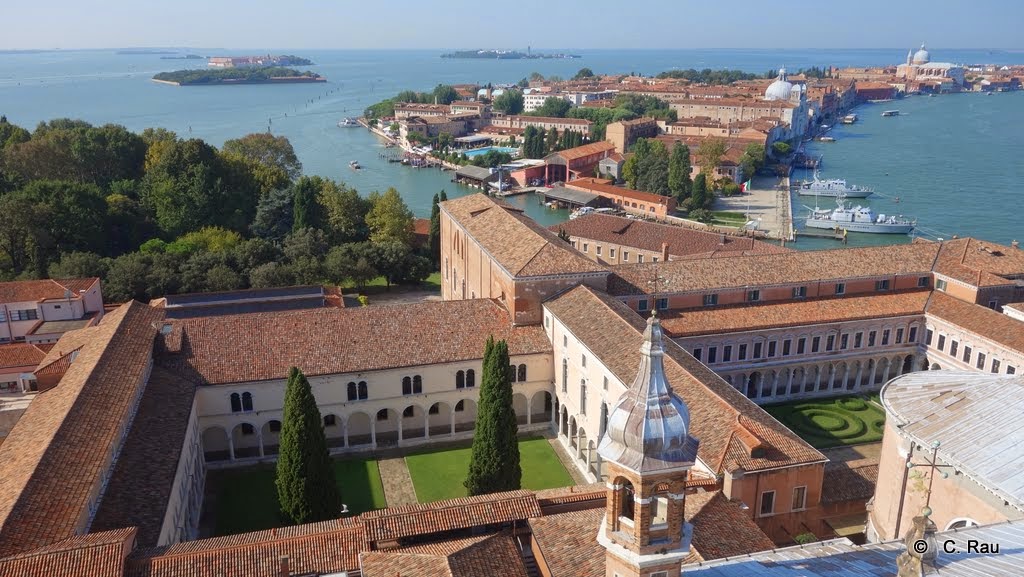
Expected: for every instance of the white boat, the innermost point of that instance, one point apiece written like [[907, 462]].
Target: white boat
[[832, 188], [580, 212], [849, 119], [826, 139], [348, 122], [354, 165], [891, 113], [857, 219]]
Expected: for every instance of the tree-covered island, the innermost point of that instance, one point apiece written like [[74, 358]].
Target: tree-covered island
[[265, 75]]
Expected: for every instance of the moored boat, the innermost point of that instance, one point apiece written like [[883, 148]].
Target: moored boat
[[832, 188], [890, 113], [344, 122], [857, 219], [850, 119]]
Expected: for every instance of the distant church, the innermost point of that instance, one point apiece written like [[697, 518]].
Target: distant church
[[919, 67]]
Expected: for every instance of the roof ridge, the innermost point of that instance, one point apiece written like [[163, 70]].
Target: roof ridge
[[63, 546], [162, 552]]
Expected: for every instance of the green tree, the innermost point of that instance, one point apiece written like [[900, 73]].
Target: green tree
[[444, 94], [344, 213], [389, 219], [583, 73], [78, 265], [268, 150], [127, 278], [551, 143], [399, 264], [306, 203], [553, 106], [679, 171], [494, 458], [74, 150], [75, 217], [652, 169], [213, 239], [700, 197], [306, 487], [275, 214], [271, 274], [509, 102], [710, 154], [781, 149], [434, 235], [752, 159]]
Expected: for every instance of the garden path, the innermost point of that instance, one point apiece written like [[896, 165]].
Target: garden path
[[398, 488]]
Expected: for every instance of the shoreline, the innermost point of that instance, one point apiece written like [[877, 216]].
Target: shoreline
[[280, 80]]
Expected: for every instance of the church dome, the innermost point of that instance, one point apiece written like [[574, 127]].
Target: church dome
[[922, 56], [780, 89]]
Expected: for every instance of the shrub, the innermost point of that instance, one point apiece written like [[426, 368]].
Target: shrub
[[852, 404], [805, 538]]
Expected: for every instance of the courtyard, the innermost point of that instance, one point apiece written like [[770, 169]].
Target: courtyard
[[245, 499], [835, 422]]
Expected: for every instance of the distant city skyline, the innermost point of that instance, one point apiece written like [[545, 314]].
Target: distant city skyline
[[404, 24]]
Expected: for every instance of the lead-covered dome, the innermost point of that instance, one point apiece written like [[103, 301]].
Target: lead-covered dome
[[922, 56], [781, 89]]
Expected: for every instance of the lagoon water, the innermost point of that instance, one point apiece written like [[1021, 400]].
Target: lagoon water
[[954, 161]]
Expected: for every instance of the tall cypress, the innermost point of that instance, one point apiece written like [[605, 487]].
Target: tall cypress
[[305, 481], [494, 460], [434, 236]]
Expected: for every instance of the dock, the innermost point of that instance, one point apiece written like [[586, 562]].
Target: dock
[[815, 234]]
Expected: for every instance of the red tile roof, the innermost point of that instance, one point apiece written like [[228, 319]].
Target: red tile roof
[[721, 529], [57, 454], [568, 543], [650, 236], [980, 263], [1000, 328], [38, 290], [614, 333], [397, 522], [843, 482], [595, 185], [263, 346], [585, 150], [770, 315], [14, 355], [92, 555], [488, 555]]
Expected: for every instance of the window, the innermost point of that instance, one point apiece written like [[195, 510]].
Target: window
[[362, 391], [406, 385], [460, 380], [799, 292], [980, 363], [942, 342], [583, 360], [771, 349], [606, 383], [757, 350], [25, 315], [940, 284], [840, 288], [885, 337], [434, 409], [726, 353], [801, 345], [712, 355], [330, 420], [460, 406], [830, 342], [844, 342], [928, 336], [565, 375], [815, 344], [275, 426], [417, 384], [598, 249], [641, 305], [913, 335], [611, 253], [922, 282], [858, 340], [697, 353], [1011, 370], [743, 352], [583, 397], [521, 373], [246, 401], [967, 355], [640, 258], [547, 321], [625, 256], [871, 338], [753, 296], [899, 336], [767, 503], [799, 498], [662, 303], [993, 304], [882, 285], [660, 574], [585, 247], [382, 415], [470, 378], [248, 429], [352, 392], [512, 373], [953, 347], [236, 403], [786, 344], [995, 365], [710, 300]]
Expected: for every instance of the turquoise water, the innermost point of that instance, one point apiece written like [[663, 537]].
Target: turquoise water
[[486, 149], [954, 159]]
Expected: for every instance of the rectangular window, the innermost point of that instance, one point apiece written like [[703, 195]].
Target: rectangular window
[[899, 336], [844, 342], [771, 349], [641, 305], [639, 258], [753, 296], [598, 249], [953, 348], [585, 247], [625, 256], [743, 352], [840, 288], [25, 315], [942, 342], [1011, 370], [799, 292], [727, 353], [995, 365], [767, 503], [710, 300], [583, 360], [830, 343], [980, 363], [940, 284], [799, 498], [913, 334], [922, 282], [757, 350], [882, 285], [858, 340], [654, 259], [994, 305], [712, 355], [606, 383], [871, 338], [815, 344], [967, 355], [801, 344], [565, 341], [662, 303], [697, 353], [611, 253], [885, 337]]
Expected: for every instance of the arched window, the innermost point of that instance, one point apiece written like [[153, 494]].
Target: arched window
[[961, 523], [626, 507], [460, 380], [512, 373], [470, 378], [583, 397], [565, 375], [522, 373], [417, 384], [406, 386], [382, 415], [236, 403], [362, 391], [275, 426], [460, 406], [246, 401], [408, 412], [353, 392]]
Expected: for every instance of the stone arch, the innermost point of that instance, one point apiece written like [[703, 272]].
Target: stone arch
[[767, 382], [522, 408], [215, 445], [837, 374], [581, 444], [465, 415], [595, 459], [626, 497], [935, 367], [564, 422], [414, 422], [439, 419], [573, 432], [270, 436], [540, 407], [385, 425], [334, 430], [245, 438], [359, 429], [852, 374], [782, 382], [753, 382]]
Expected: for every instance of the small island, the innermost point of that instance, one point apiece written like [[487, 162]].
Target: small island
[[229, 76], [506, 55], [183, 57]]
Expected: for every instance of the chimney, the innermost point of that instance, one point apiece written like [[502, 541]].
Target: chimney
[[721, 241], [284, 567], [919, 558], [664, 252]]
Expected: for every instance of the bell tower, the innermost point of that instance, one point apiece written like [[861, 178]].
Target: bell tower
[[648, 452]]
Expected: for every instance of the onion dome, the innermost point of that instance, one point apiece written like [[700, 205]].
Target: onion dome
[[648, 430], [922, 56], [780, 89]]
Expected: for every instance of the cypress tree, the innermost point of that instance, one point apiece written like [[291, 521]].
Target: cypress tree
[[494, 460], [305, 481], [434, 236], [306, 205]]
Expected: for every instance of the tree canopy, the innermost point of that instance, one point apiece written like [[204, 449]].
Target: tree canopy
[[509, 102], [553, 106], [494, 458]]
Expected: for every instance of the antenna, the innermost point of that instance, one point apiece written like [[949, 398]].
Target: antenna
[[655, 280]]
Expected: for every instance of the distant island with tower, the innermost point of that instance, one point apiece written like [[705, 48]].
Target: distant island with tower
[[507, 55]]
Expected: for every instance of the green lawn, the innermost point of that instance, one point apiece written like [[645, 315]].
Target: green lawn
[[832, 422], [247, 498], [439, 474], [379, 285], [727, 218]]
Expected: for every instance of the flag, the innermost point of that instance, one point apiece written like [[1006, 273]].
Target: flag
[[745, 187]]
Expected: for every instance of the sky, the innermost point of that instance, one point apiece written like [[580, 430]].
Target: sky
[[405, 24]]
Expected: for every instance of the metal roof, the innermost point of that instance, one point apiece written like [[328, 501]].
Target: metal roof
[[841, 558], [974, 416], [476, 173], [474, 138], [571, 196]]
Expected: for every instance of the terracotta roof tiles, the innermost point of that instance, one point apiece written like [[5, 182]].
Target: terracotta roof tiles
[[584, 151], [92, 555], [14, 355], [1002, 329], [494, 555], [38, 290], [397, 522]]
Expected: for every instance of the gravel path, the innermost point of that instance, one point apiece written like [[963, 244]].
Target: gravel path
[[398, 488]]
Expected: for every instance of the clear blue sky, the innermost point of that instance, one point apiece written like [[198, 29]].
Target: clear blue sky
[[33, 24]]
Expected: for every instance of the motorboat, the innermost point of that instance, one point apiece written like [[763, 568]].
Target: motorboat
[[354, 165], [832, 188], [346, 122], [890, 113], [858, 219]]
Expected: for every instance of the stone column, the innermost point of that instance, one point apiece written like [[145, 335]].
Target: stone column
[[231, 445], [426, 424]]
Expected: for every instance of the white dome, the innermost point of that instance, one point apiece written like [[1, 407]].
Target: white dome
[[780, 89], [922, 56]]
